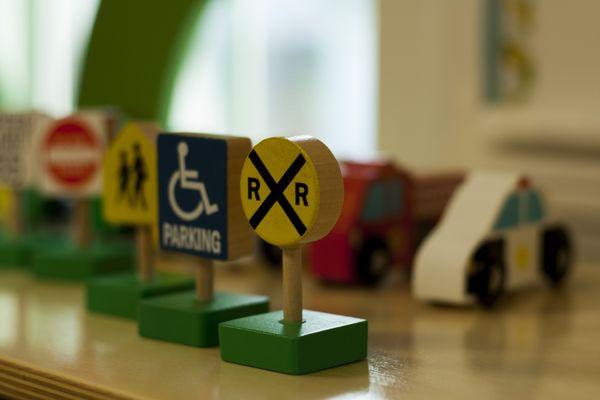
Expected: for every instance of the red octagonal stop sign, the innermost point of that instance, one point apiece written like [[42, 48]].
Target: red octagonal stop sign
[[73, 153]]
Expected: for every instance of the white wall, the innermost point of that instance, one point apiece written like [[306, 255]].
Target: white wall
[[432, 111], [413, 86]]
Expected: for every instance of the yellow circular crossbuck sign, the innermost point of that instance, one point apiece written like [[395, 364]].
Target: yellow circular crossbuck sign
[[291, 190]]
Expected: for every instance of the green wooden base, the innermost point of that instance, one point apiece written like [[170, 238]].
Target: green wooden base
[[19, 252], [321, 341], [67, 262], [120, 294], [14, 252], [182, 318]]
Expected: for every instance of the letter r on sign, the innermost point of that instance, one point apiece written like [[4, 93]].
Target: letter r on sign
[[253, 186], [301, 193]]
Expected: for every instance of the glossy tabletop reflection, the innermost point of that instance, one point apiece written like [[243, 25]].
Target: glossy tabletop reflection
[[537, 344]]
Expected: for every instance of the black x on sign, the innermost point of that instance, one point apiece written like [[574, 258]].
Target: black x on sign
[[276, 192], [276, 195]]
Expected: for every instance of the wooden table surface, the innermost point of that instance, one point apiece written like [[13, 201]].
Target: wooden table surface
[[538, 344]]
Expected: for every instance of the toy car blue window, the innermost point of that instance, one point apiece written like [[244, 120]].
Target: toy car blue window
[[536, 211], [373, 208], [393, 197], [509, 216]]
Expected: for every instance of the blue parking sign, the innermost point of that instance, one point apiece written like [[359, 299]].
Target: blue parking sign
[[192, 195]]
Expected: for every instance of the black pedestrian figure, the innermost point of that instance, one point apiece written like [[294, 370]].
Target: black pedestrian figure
[[124, 175], [141, 175]]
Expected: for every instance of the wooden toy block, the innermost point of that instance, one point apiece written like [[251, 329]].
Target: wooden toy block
[[292, 194], [184, 318], [71, 262], [200, 215], [120, 294], [321, 341], [494, 236], [387, 212]]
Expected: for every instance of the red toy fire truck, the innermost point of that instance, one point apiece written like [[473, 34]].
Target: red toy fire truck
[[387, 212]]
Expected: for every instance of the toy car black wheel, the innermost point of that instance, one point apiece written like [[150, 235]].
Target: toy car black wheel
[[557, 255], [488, 276], [491, 285], [373, 262]]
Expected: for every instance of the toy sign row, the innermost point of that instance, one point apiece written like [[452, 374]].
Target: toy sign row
[[195, 177]]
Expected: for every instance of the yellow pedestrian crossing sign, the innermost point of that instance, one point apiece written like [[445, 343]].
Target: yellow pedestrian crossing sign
[[291, 190], [130, 181]]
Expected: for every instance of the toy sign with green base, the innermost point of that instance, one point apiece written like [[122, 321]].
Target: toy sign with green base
[[200, 214], [16, 173], [20, 251], [292, 194], [14, 252], [69, 163], [320, 341], [73, 263], [120, 294], [183, 318], [129, 198]]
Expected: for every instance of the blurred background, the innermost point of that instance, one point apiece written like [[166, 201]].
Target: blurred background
[[509, 84]]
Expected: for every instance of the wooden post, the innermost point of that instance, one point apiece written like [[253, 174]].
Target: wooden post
[[205, 279], [144, 252], [81, 228], [292, 284]]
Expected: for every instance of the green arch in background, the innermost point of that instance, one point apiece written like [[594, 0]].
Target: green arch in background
[[134, 53]]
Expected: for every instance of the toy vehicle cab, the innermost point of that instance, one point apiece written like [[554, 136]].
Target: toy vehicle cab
[[494, 235], [386, 212]]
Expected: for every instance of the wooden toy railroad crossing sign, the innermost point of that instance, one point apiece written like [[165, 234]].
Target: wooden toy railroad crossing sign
[[200, 214], [292, 194]]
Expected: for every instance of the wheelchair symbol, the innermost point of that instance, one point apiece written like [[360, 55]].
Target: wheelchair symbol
[[188, 180]]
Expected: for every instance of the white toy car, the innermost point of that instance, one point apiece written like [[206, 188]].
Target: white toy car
[[494, 235]]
